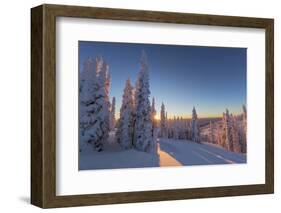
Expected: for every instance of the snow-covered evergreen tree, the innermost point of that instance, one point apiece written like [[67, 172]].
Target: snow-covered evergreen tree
[[228, 133], [181, 129], [187, 129], [143, 124], [194, 127], [153, 114], [112, 114], [125, 127], [169, 124], [163, 123], [94, 99], [244, 113], [222, 135], [235, 134], [175, 128], [87, 79], [107, 81], [212, 132], [244, 130]]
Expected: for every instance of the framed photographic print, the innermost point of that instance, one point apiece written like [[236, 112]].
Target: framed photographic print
[[136, 106]]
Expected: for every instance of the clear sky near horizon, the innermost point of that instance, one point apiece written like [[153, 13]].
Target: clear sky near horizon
[[209, 78]]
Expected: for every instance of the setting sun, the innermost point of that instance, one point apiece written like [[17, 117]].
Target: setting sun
[[156, 117]]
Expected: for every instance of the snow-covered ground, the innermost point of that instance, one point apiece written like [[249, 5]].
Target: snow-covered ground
[[190, 153], [170, 152], [114, 158]]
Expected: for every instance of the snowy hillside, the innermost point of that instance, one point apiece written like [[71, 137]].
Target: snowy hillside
[[170, 152]]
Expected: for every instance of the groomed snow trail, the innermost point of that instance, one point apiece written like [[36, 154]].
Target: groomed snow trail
[[186, 152], [166, 159]]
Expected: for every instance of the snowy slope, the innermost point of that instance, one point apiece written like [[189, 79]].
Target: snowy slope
[[170, 153], [114, 157], [115, 160], [190, 153]]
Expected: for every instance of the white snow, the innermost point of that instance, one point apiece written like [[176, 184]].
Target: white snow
[[114, 157], [191, 153], [170, 152]]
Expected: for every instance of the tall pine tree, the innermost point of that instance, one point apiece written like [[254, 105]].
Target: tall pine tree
[[143, 124], [112, 114], [244, 130], [163, 122], [212, 133], [228, 131], [86, 92], [235, 134], [125, 127], [94, 99], [153, 114], [194, 127]]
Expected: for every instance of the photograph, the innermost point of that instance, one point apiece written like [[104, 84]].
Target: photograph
[[161, 105]]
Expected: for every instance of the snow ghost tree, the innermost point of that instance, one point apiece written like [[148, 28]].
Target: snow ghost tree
[[143, 124], [244, 130], [112, 114], [163, 122], [212, 133], [228, 132], [87, 80], [94, 99], [194, 127], [153, 114], [182, 129], [235, 134], [176, 127], [125, 127], [222, 133]]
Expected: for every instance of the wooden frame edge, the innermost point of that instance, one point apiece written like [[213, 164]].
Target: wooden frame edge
[[269, 118], [36, 106]]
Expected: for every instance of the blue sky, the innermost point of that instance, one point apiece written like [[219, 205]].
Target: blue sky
[[209, 78]]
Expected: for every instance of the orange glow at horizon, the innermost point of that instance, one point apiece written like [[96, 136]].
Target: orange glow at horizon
[[186, 116]]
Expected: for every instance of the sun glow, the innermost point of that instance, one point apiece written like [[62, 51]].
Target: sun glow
[[156, 117]]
